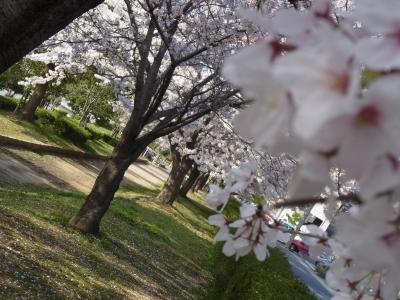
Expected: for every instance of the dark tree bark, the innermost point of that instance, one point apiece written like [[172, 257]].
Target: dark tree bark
[[89, 216], [28, 111], [25, 24], [194, 174], [180, 167], [201, 182], [107, 183], [196, 183]]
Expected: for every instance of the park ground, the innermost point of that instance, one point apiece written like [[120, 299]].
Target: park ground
[[146, 250]]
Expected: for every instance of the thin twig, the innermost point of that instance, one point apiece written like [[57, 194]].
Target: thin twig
[[304, 201]]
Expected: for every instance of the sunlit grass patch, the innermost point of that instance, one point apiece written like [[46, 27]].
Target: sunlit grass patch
[[143, 250]]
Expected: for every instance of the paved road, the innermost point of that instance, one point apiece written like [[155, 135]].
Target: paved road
[[304, 270], [69, 174]]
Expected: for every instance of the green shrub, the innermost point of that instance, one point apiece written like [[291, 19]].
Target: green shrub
[[8, 103], [111, 140], [101, 133], [69, 128], [45, 117], [97, 131], [249, 279], [59, 113]]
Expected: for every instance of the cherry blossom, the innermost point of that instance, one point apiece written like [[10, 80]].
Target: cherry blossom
[[252, 233], [380, 51], [220, 221], [307, 100], [218, 196], [320, 90]]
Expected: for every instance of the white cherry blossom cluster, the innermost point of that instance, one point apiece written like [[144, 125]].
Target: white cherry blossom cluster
[[217, 148], [308, 100], [256, 229]]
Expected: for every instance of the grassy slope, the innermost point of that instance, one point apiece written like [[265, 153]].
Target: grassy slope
[[252, 280], [145, 251], [31, 132], [248, 279]]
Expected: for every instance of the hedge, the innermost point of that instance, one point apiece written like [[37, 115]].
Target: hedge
[[69, 128], [249, 279], [47, 117], [66, 127], [7, 103], [101, 133]]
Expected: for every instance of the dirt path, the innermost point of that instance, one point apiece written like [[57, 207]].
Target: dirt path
[[22, 167]]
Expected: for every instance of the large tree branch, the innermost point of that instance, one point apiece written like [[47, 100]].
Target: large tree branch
[[313, 200], [25, 24], [201, 50]]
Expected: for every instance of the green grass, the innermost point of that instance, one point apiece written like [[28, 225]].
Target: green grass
[[98, 146], [30, 132], [144, 250], [33, 132], [249, 279]]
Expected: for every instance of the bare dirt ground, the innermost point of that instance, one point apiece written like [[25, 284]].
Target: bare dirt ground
[[23, 167]]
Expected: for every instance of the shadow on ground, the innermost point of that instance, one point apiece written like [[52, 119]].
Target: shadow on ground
[[145, 250]]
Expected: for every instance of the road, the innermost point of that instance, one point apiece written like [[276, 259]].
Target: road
[[304, 270], [23, 167]]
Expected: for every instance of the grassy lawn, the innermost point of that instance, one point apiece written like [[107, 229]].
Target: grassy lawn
[[251, 280], [32, 132], [145, 251]]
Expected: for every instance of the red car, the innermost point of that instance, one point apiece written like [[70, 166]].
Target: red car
[[299, 246]]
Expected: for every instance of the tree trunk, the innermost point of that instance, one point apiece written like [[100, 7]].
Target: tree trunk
[[28, 111], [196, 183], [201, 182], [190, 182], [85, 112], [84, 119], [107, 183], [25, 24], [180, 167]]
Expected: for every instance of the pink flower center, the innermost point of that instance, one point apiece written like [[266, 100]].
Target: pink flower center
[[396, 32], [392, 238], [397, 36], [368, 115], [340, 82], [393, 161]]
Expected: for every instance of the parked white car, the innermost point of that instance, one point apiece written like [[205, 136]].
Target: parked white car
[[284, 237]]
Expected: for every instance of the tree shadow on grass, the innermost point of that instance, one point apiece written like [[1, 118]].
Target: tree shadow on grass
[[142, 251], [200, 221], [36, 263]]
